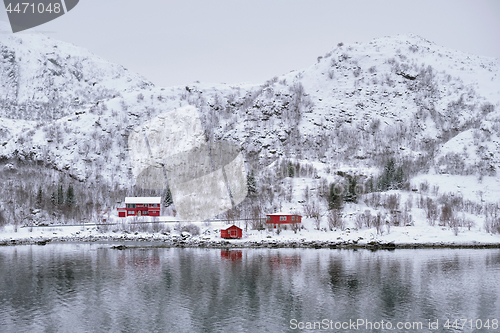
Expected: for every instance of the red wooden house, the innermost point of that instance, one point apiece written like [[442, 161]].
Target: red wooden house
[[231, 232], [283, 218], [140, 206]]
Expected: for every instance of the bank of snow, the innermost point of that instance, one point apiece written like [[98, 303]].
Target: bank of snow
[[420, 235]]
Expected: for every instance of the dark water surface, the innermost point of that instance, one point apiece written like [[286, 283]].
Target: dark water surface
[[93, 288]]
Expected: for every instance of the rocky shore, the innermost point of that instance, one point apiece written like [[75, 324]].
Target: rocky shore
[[130, 240]]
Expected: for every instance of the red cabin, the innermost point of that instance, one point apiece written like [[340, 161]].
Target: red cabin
[[283, 218], [140, 206], [232, 232]]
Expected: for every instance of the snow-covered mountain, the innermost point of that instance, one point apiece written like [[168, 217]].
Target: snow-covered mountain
[[434, 110], [43, 79], [394, 95]]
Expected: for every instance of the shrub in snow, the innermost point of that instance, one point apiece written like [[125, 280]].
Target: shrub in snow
[[103, 228], [446, 215], [191, 228], [391, 202], [424, 187], [313, 210], [492, 224], [144, 227], [431, 211], [401, 219], [335, 220]]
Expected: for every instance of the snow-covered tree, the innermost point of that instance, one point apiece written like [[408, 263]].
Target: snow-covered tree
[[386, 179], [39, 198], [53, 199], [167, 201], [251, 184]]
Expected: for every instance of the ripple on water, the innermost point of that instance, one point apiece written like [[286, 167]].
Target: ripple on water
[[68, 288]]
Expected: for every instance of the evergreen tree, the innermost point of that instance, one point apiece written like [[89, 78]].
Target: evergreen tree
[[70, 196], [167, 201], [386, 180], [350, 192], [53, 199], [392, 178], [60, 195], [251, 184], [39, 198], [334, 198], [399, 179], [291, 170]]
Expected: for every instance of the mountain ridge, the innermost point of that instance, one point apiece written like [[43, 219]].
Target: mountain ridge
[[42, 77], [357, 107]]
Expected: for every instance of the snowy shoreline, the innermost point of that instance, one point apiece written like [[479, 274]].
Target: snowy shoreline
[[113, 242], [363, 239]]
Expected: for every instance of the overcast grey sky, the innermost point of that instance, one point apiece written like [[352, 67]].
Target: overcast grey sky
[[233, 41]]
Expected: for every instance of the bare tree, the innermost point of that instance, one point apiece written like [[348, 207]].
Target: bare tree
[[446, 215], [431, 210], [335, 220]]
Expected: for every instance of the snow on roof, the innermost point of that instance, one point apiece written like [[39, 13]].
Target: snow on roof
[[143, 200], [282, 213], [232, 225]]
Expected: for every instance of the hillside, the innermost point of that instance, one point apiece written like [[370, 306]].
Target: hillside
[[44, 79], [66, 115]]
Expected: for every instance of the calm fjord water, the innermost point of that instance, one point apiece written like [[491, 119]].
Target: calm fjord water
[[93, 288]]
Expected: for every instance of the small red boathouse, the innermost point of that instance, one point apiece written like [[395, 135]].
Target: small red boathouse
[[231, 232]]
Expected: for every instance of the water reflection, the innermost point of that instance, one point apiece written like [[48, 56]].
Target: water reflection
[[234, 255], [285, 261], [91, 287]]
